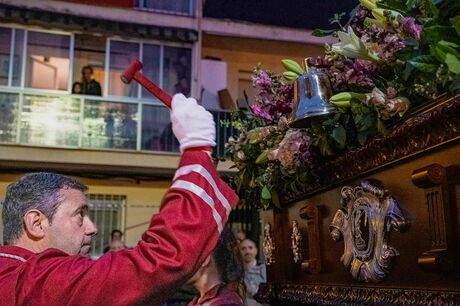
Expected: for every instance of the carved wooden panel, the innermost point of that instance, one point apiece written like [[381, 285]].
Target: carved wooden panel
[[439, 184], [296, 294]]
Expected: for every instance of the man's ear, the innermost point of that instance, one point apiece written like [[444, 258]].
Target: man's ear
[[35, 224]]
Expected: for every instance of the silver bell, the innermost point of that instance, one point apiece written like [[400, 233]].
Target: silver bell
[[312, 91]]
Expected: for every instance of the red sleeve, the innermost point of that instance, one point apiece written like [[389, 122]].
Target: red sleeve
[[178, 240]]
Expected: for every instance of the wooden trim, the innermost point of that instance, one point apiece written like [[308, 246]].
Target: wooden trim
[[428, 130], [290, 294]]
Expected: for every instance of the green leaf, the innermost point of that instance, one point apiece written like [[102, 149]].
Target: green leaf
[[262, 158], [265, 194], [395, 5], [362, 136], [443, 47], [437, 33], [276, 199], [321, 33], [340, 136], [455, 22], [455, 86], [381, 126], [425, 63], [453, 63]]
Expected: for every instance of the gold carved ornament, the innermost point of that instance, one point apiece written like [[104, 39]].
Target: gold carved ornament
[[296, 240], [268, 245], [365, 221]]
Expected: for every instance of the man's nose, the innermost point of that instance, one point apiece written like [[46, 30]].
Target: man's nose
[[91, 228]]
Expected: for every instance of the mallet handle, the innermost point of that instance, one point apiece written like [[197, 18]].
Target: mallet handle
[[153, 89]]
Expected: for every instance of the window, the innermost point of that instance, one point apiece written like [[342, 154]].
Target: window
[[183, 7], [157, 134], [50, 120], [47, 60], [177, 70], [107, 212], [11, 50], [121, 55], [8, 116], [5, 47], [151, 60], [175, 63], [89, 51], [110, 125]]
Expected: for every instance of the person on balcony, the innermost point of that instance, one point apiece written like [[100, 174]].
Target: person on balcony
[[48, 232], [89, 86]]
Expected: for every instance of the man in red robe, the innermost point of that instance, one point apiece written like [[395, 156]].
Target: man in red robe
[[47, 230]]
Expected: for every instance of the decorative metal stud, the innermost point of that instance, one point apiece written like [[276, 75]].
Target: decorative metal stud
[[296, 240], [268, 245]]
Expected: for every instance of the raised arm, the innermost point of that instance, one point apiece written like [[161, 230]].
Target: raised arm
[[179, 238]]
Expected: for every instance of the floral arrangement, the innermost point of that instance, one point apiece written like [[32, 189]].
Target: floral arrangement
[[392, 55]]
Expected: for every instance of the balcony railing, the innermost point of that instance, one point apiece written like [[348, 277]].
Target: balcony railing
[[38, 118]]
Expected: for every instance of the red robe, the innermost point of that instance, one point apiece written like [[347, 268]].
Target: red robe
[[218, 295], [178, 240]]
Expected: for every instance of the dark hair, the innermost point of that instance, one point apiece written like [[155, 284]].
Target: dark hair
[[73, 87], [33, 191], [228, 258], [87, 67], [115, 231]]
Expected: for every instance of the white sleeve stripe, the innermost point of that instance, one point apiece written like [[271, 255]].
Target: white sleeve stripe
[[204, 173], [201, 193]]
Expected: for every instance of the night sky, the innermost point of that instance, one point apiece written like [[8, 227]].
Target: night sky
[[304, 14]]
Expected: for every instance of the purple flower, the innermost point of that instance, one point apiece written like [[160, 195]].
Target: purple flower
[[261, 79], [410, 27], [259, 112]]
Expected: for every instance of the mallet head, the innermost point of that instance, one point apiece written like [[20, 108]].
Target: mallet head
[[129, 72]]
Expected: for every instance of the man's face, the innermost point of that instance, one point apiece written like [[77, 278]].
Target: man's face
[[116, 236], [248, 251], [71, 229], [87, 74]]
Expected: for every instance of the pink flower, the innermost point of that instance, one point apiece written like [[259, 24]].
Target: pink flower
[[391, 92], [259, 112]]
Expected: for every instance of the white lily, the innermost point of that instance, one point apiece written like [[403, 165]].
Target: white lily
[[351, 46]]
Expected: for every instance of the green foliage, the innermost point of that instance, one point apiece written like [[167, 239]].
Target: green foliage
[[273, 160]]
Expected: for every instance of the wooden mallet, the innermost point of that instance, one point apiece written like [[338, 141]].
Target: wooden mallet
[[133, 73]]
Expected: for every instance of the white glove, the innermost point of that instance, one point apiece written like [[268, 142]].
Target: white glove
[[191, 123]]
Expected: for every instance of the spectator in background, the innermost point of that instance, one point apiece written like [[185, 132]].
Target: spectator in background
[[116, 245], [182, 86], [76, 88], [219, 280], [254, 273], [116, 241], [89, 86], [116, 234], [240, 236]]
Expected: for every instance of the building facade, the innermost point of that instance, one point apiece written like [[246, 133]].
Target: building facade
[[117, 138]]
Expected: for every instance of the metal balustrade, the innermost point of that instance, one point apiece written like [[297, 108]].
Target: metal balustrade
[[50, 119]]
